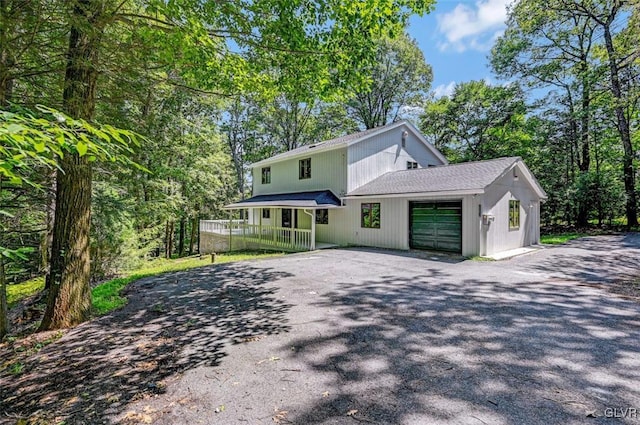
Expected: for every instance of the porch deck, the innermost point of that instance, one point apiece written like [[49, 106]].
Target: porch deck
[[242, 235]]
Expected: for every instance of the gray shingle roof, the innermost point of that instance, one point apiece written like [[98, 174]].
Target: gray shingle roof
[[468, 176], [328, 144]]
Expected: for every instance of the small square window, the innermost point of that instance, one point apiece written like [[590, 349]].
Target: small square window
[[322, 216], [266, 175], [370, 215], [305, 169], [266, 213], [411, 165], [514, 215]]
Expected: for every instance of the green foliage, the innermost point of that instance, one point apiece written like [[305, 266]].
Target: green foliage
[[478, 122], [106, 296], [562, 51], [18, 291], [560, 238], [29, 138], [400, 79], [481, 259]]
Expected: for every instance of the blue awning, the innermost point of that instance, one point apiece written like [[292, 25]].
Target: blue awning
[[320, 199]]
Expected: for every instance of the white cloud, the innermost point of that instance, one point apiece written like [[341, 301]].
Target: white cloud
[[444, 90], [473, 27]]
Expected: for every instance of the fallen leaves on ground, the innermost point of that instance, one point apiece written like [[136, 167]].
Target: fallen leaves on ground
[[280, 416]]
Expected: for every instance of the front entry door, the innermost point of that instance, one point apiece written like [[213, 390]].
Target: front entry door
[[286, 217]]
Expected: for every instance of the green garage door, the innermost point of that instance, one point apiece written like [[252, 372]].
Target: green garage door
[[436, 225]]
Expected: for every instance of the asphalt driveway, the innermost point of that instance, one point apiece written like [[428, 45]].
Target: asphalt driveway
[[367, 336]]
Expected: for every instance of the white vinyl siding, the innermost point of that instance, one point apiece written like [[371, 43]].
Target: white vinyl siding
[[499, 237], [394, 223], [329, 171], [383, 153]]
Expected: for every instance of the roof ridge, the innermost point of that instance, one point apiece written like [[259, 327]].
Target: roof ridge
[[344, 140], [502, 158]]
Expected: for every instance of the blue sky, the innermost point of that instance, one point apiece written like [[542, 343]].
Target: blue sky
[[456, 39]]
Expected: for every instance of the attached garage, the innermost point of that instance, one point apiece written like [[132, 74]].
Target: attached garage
[[436, 226], [474, 208]]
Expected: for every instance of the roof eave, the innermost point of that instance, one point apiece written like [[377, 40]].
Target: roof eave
[[274, 160], [535, 185], [432, 194], [276, 204]]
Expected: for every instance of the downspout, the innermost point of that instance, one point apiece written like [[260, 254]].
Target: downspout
[[313, 229]]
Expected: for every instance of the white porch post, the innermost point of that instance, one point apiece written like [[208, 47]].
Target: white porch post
[[230, 230], [313, 230], [260, 227], [312, 242]]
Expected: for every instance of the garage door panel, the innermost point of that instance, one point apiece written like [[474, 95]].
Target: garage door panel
[[436, 225]]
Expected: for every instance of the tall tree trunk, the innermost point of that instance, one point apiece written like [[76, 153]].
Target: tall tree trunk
[[47, 239], [584, 162], [4, 321], [169, 239], [194, 229], [69, 298], [623, 130], [181, 235], [6, 59]]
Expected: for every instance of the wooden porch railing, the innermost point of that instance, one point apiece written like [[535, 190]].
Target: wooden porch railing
[[271, 236], [221, 226], [281, 237]]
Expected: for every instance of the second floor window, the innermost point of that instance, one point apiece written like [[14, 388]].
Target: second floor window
[[411, 165], [266, 175], [305, 169]]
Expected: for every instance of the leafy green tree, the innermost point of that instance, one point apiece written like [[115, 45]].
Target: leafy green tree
[[31, 139], [621, 44], [478, 122], [546, 48], [400, 78], [579, 48], [263, 47]]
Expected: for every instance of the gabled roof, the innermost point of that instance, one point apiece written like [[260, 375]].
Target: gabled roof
[[463, 178], [348, 140], [315, 199]]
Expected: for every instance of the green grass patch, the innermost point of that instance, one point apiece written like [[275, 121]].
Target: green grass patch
[[480, 258], [560, 238], [106, 296], [19, 291]]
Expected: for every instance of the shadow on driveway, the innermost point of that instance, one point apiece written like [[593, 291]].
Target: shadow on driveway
[[599, 259], [430, 350], [172, 323]]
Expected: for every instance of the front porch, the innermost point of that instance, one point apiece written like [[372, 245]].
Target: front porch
[[242, 234], [285, 221]]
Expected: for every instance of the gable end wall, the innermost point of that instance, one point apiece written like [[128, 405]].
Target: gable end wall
[[383, 153]]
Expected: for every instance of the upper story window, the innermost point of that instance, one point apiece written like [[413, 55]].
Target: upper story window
[[266, 175], [411, 165], [514, 215], [304, 169]]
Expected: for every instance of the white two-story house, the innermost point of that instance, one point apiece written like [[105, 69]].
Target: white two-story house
[[388, 187]]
